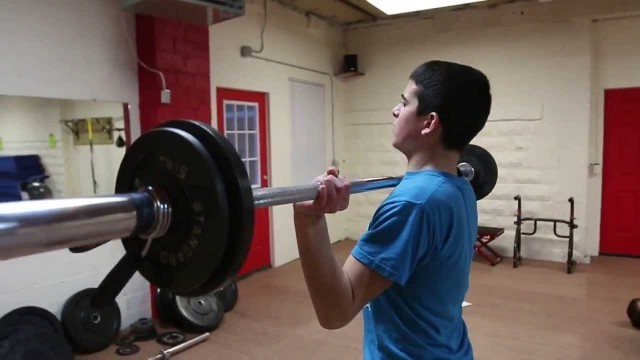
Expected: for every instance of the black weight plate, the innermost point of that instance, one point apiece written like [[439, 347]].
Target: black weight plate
[[166, 306], [144, 329], [171, 159], [200, 313], [125, 339], [228, 295], [128, 349], [240, 201], [32, 316], [485, 169], [87, 329], [171, 338], [143, 325], [29, 343]]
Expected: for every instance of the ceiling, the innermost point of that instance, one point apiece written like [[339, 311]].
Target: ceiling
[[352, 12]]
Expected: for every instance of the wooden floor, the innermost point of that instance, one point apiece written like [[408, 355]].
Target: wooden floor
[[534, 312]]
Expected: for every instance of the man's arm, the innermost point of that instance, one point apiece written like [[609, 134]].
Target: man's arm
[[337, 292]]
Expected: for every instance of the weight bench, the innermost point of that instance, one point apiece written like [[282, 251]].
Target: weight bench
[[487, 234]]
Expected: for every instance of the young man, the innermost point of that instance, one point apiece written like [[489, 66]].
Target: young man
[[409, 272]]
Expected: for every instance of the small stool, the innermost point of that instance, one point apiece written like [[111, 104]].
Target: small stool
[[487, 234]]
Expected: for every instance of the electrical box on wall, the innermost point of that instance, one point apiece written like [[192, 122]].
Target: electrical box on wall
[[199, 12]]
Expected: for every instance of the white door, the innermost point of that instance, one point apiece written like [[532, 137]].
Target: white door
[[308, 122]]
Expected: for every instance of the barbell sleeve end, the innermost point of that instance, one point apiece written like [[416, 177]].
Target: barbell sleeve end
[[37, 226]]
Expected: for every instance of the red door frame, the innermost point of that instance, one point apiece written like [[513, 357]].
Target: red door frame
[[127, 125], [260, 254], [610, 214]]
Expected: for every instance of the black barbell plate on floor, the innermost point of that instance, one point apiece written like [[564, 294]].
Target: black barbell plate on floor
[[144, 329], [184, 257], [228, 295], [127, 349], [199, 313], [90, 329], [485, 169], [124, 338], [171, 338], [240, 198], [30, 343], [166, 306], [32, 316]]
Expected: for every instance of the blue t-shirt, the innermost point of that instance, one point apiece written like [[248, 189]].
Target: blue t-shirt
[[422, 238]]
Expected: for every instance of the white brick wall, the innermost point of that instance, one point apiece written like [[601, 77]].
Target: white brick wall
[[514, 145], [524, 170], [544, 62], [371, 155]]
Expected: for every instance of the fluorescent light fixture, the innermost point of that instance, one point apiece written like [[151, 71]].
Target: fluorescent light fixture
[[392, 7]]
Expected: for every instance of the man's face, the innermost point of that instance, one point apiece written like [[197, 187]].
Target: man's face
[[407, 127]]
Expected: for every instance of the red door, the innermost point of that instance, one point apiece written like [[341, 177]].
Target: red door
[[242, 117], [619, 234]]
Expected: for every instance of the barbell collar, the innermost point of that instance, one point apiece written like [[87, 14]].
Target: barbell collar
[[466, 170], [160, 213]]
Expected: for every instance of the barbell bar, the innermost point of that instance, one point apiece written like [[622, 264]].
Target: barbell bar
[[37, 226], [267, 197], [183, 204]]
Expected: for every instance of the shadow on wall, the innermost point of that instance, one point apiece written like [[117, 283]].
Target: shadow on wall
[[49, 139]]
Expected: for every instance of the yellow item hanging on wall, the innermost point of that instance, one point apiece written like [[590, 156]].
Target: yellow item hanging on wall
[[90, 129], [53, 142]]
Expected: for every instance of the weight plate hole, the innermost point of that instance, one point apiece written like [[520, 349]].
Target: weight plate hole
[[95, 318]]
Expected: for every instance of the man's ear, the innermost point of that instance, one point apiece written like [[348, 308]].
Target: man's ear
[[431, 123]]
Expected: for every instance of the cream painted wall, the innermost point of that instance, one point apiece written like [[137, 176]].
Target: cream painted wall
[[25, 125], [616, 50], [292, 38], [541, 60], [548, 63], [68, 49]]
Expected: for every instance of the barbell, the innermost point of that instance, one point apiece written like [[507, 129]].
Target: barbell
[[183, 208]]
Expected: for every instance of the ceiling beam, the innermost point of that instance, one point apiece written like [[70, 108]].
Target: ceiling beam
[[358, 8], [308, 13]]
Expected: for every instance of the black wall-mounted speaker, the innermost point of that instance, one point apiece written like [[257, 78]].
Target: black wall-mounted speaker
[[350, 62]]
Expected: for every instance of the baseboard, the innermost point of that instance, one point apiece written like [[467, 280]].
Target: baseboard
[[620, 255]]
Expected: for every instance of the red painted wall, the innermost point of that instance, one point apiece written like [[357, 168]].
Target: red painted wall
[[181, 52]]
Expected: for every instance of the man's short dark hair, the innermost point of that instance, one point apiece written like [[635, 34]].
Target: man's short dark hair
[[459, 94]]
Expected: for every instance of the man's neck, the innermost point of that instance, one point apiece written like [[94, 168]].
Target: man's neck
[[441, 160]]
